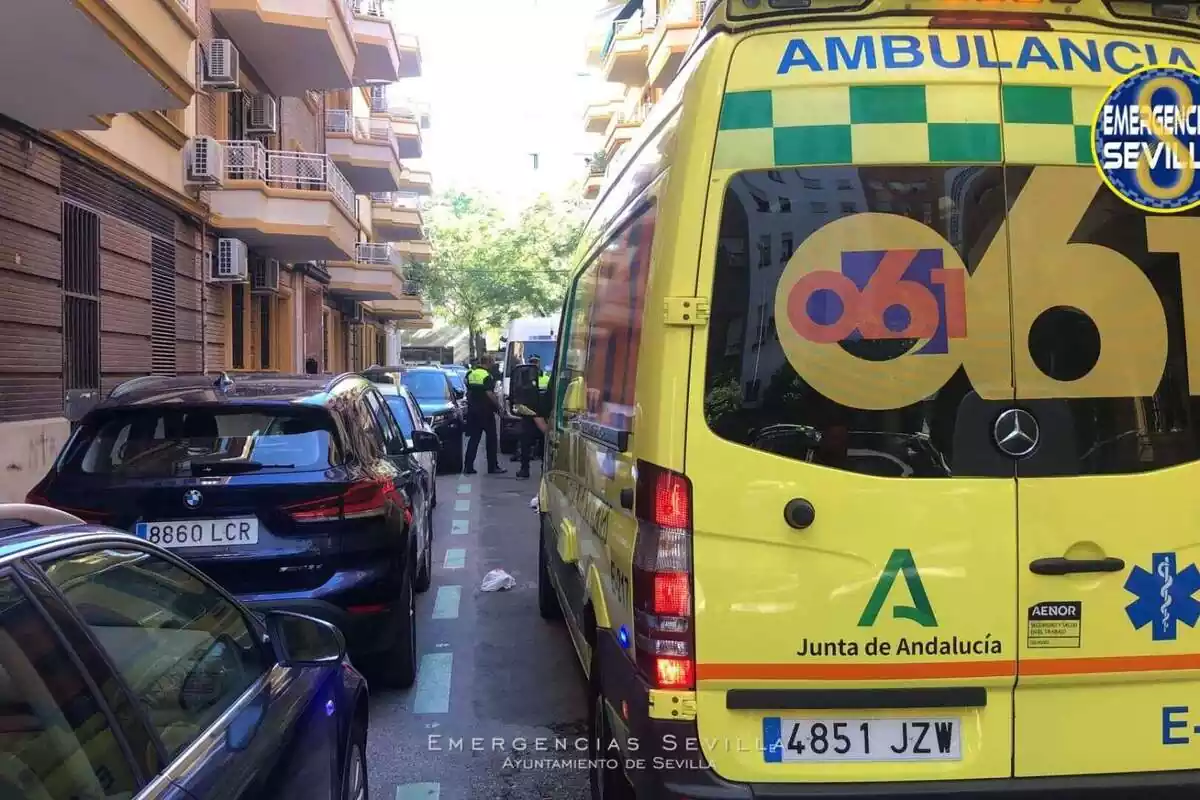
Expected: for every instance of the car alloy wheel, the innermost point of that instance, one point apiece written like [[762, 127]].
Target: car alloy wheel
[[356, 774]]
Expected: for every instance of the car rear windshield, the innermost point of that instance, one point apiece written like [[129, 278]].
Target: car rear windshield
[[521, 353], [154, 443], [429, 385], [401, 413], [456, 380]]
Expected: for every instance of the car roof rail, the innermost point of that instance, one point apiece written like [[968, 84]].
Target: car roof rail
[[341, 377], [37, 515], [126, 386]]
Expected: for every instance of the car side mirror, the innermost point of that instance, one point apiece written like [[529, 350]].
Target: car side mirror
[[425, 442], [303, 641]]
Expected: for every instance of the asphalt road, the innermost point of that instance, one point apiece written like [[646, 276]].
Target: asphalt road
[[494, 677]]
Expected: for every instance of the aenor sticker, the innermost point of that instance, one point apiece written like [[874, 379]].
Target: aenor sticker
[[1055, 625]]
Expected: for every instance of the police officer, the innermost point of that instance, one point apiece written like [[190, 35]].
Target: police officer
[[531, 432], [482, 407]]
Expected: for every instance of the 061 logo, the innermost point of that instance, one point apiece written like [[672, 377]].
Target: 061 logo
[[883, 277], [882, 294]]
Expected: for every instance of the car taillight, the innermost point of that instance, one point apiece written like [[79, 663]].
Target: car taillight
[[361, 500], [85, 514], [664, 634]]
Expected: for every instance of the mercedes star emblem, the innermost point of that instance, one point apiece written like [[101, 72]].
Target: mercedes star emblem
[[192, 498], [1016, 432]]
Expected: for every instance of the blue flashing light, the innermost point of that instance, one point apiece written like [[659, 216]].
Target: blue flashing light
[[330, 708], [623, 637]]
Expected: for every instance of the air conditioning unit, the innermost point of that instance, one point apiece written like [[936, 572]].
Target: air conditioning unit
[[205, 160], [264, 276], [262, 114], [231, 262], [219, 68]]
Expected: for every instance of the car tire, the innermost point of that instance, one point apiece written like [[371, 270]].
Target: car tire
[[398, 668], [424, 578], [605, 781], [548, 605], [354, 771]]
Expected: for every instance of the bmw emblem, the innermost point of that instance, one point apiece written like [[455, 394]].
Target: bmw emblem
[[192, 498]]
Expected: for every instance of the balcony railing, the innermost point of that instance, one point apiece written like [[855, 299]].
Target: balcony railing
[[399, 200], [375, 253], [685, 11], [378, 9], [284, 169], [635, 117], [629, 27], [340, 120], [379, 100]]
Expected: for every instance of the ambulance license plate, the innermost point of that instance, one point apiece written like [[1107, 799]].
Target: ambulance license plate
[[899, 739]]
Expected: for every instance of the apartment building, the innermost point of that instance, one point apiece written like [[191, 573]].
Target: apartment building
[[635, 50], [198, 185]]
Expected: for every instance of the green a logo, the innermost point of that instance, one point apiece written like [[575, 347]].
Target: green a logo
[[921, 612]]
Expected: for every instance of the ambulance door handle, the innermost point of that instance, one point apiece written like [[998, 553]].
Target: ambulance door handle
[[1072, 566]]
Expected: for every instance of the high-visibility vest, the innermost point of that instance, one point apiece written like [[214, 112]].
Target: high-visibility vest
[[543, 381], [477, 377]]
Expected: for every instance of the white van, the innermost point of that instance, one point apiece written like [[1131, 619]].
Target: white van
[[524, 338]]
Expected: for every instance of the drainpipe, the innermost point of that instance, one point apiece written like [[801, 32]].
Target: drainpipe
[[204, 299]]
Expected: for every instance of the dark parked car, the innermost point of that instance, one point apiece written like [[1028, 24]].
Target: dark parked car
[[125, 672], [293, 492], [438, 399], [458, 379], [409, 417]]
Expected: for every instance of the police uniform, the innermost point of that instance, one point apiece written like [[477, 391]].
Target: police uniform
[[530, 433], [481, 419]]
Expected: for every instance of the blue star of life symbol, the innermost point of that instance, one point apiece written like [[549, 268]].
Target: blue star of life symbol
[[1164, 596]]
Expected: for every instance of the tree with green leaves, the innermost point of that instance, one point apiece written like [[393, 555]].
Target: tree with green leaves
[[489, 268]]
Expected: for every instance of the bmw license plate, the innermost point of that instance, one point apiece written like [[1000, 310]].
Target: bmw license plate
[[900, 739], [236, 532]]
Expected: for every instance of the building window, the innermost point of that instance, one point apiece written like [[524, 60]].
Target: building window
[[811, 183], [237, 321], [844, 184], [764, 250], [264, 331], [820, 208], [788, 247], [785, 205], [764, 205], [849, 208]]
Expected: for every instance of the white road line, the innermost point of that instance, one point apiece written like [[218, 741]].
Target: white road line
[[419, 791], [433, 684], [445, 606]]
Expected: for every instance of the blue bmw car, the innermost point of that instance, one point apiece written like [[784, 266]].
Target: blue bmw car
[[124, 672]]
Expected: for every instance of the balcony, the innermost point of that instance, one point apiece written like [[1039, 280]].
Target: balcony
[[671, 39], [376, 273], [416, 181], [67, 63], [418, 252], [396, 217], [407, 128], [410, 308], [410, 55], [627, 50], [412, 108], [623, 125], [285, 205], [293, 45], [378, 49], [594, 179], [597, 116], [364, 150]]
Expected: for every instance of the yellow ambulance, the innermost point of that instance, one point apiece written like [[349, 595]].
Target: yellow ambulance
[[872, 467]]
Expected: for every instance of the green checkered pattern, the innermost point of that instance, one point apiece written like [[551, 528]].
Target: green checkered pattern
[[951, 123]]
